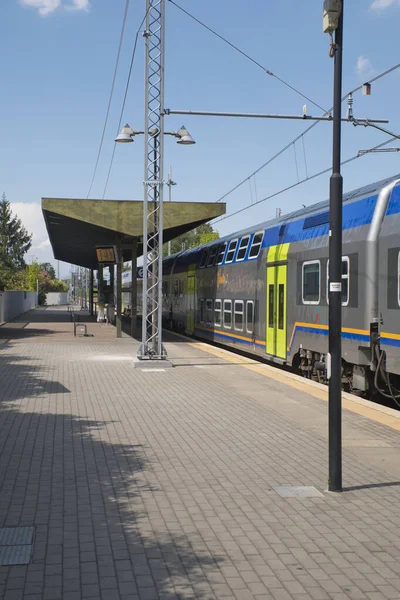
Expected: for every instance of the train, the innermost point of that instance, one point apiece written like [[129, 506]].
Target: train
[[264, 290]]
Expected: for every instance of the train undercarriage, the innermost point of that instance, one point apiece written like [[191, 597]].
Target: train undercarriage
[[372, 382]]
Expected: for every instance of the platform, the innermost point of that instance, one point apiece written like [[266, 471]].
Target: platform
[[203, 481]]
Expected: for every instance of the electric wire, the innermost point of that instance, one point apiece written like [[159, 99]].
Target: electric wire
[[111, 95], [293, 185], [124, 101], [255, 188], [295, 161], [305, 157], [297, 138], [246, 55], [251, 192], [394, 394]]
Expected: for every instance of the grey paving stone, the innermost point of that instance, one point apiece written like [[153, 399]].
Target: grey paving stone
[[165, 488], [90, 591], [72, 595], [71, 585]]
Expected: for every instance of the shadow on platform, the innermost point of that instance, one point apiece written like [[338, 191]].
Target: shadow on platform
[[20, 379], [88, 501], [49, 314], [369, 486]]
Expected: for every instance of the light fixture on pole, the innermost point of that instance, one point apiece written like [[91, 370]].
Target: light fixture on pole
[[128, 134], [151, 347], [184, 136], [170, 183]]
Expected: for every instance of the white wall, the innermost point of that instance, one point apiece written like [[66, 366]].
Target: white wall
[[13, 304], [56, 298]]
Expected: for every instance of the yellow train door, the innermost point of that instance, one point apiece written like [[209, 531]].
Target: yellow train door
[[276, 342], [190, 300]]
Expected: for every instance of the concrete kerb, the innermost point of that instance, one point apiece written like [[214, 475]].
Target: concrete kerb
[[151, 364]]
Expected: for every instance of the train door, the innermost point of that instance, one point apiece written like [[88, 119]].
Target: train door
[[190, 300], [276, 317]]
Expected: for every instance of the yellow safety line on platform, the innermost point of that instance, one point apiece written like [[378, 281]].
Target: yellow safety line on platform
[[357, 405]]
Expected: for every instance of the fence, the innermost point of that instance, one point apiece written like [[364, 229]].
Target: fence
[[56, 298], [13, 304]]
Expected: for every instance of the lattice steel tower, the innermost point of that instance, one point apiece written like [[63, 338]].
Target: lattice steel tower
[[151, 347]]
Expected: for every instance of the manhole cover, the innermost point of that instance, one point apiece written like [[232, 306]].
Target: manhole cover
[[15, 555], [16, 544], [297, 491], [15, 536]]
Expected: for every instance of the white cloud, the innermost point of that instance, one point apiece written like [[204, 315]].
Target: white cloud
[[45, 7], [381, 4], [32, 219], [364, 67], [78, 5]]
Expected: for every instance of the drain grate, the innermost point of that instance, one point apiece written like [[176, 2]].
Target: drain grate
[[297, 491], [16, 545]]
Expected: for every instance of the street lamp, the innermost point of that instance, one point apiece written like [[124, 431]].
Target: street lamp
[[128, 134], [151, 347], [333, 23]]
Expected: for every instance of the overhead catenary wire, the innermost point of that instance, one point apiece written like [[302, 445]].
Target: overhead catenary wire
[[251, 192], [124, 101], [267, 71], [111, 95], [295, 162], [293, 185], [297, 138], [255, 188], [305, 156]]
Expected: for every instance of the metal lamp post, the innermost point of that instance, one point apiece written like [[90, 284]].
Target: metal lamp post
[[333, 21], [151, 346]]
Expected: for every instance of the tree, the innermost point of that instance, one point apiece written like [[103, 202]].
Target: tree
[[15, 241], [201, 235], [48, 267], [38, 278], [33, 274]]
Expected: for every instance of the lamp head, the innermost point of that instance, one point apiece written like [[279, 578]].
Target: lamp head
[[184, 137], [126, 135]]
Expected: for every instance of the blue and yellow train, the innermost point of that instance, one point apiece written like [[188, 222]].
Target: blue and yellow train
[[265, 289]]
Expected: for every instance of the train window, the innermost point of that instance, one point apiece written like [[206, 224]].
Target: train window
[[211, 256], [203, 259], [238, 315], [281, 305], [244, 242], [221, 254], [180, 287], [311, 287], [217, 313], [209, 312], [228, 314], [165, 288], [271, 304], [201, 311], [345, 280], [231, 251], [256, 244], [249, 316]]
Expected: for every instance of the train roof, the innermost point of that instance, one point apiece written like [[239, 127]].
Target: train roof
[[357, 194]]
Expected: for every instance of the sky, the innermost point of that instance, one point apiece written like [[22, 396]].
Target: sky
[[58, 59]]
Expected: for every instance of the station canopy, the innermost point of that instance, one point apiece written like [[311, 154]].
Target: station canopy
[[76, 227]]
